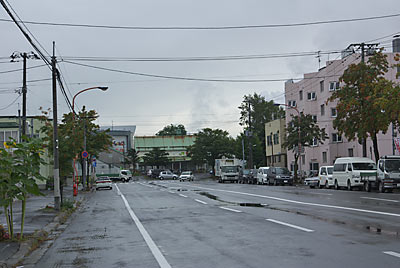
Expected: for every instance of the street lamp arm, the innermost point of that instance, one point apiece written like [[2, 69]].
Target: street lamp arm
[[86, 89]]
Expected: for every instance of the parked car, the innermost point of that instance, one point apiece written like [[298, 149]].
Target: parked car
[[353, 172], [326, 176], [312, 182], [252, 177], [274, 175], [155, 173], [186, 176], [103, 182], [262, 175], [166, 175], [125, 175]]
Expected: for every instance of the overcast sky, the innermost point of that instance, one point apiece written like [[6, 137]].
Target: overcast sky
[[152, 103]]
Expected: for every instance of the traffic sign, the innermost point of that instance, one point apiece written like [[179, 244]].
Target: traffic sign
[[85, 154]]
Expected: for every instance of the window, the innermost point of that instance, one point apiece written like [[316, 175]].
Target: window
[[339, 167], [269, 140], [311, 96], [321, 85], [292, 103], [336, 137], [333, 86], [314, 142], [301, 94], [333, 112], [322, 109], [279, 158], [350, 150], [7, 135], [276, 138], [314, 166], [314, 118], [324, 157]]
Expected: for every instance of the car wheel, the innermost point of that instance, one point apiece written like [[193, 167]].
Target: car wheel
[[97, 189], [336, 185], [381, 188], [110, 188], [349, 188]]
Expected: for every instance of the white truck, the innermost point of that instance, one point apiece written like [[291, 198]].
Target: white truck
[[228, 169], [388, 173]]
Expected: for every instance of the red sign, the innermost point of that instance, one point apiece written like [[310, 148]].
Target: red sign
[[85, 154]]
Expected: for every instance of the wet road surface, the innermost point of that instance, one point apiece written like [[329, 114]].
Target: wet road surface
[[206, 224]]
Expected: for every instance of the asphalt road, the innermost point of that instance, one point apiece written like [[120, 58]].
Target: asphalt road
[[206, 224]]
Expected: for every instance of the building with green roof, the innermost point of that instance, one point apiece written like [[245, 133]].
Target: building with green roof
[[175, 146]]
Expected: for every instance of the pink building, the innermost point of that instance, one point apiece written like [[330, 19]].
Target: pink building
[[310, 95]]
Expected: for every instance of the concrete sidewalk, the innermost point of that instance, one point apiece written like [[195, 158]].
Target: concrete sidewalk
[[39, 215]]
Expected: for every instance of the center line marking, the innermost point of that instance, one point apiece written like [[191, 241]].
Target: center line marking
[[182, 195], [291, 225], [230, 209], [171, 192], [150, 243], [380, 199], [197, 200], [392, 253]]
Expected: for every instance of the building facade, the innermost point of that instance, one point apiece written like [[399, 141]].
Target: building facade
[[10, 127], [310, 96], [175, 146], [275, 134]]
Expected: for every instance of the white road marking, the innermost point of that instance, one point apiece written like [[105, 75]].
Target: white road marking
[[380, 199], [322, 193], [291, 225], [171, 192], [230, 209], [182, 195], [302, 203], [202, 202], [392, 253], [150, 243]]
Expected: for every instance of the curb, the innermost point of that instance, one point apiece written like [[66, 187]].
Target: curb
[[24, 257]]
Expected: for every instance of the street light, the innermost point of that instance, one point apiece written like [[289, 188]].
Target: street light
[[299, 131], [75, 186]]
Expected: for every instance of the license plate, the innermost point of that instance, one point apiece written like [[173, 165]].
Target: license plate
[[285, 181], [398, 185]]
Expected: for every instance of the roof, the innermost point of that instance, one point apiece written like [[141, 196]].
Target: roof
[[353, 159], [163, 142], [9, 125]]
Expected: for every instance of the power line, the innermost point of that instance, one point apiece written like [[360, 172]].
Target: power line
[[20, 69], [238, 27], [9, 105]]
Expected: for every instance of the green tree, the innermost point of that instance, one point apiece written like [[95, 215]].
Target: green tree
[[172, 130], [20, 168], [132, 158], [258, 153], [260, 112], [156, 157], [71, 135], [364, 101], [309, 132], [211, 144]]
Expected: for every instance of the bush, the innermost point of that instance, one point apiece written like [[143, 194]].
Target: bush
[[67, 204]]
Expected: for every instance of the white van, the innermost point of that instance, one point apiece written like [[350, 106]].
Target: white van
[[347, 172]]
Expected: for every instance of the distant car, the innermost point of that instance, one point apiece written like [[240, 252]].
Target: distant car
[[166, 175], [312, 182], [155, 173], [326, 176], [186, 176], [103, 182]]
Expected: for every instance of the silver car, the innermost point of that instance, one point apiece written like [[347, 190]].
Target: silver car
[[186, 176], [167, 175]]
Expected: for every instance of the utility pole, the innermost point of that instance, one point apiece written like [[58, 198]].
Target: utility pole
[[84, 177], [24, 96], [57, 203], [24, 57], [249, 135], [362, 46]]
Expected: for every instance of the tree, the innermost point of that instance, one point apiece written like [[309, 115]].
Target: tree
[[260, 112], [258, 153], [132, 158], [310, 132], [364, 107], [172, 130], [156, 157], [211, 144], [20, 168], [71, 135]]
